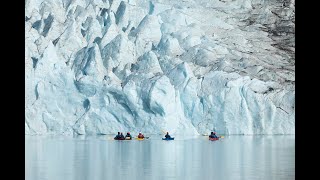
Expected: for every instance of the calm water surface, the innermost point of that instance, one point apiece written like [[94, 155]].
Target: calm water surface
[[101, 158]]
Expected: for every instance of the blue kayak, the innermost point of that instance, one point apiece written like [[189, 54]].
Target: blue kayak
[[168, 138]]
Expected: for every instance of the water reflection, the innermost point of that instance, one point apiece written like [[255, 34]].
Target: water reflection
[[97, 158]]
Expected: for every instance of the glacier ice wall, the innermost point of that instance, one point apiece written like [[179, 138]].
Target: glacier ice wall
[[187, 67]]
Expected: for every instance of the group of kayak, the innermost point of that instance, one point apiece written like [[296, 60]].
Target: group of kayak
[[119, 136], [128, 136]]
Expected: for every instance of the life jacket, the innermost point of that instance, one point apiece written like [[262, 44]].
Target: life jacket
[[140, 136]]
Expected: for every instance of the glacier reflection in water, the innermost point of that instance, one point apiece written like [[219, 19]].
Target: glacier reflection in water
[[100, 158]]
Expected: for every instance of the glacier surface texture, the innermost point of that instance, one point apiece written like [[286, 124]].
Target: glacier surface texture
[[183, 66]]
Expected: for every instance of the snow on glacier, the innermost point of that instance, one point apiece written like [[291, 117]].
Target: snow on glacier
[[187, 67]]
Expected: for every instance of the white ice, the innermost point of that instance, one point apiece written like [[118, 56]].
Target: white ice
[[187, 67]]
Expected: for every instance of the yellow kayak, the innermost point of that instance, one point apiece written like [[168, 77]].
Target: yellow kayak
[[141, 138]]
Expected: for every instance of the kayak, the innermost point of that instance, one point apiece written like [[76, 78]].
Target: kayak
[[168, 138], [213, 139], [141, 138], [119, 139]]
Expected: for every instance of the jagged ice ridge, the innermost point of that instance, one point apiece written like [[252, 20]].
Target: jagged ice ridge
[[187, 67]]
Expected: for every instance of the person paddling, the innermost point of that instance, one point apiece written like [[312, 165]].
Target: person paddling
[[213, 135], [140, 135], [117, 136], [121, 136], [167, 135], [128, 136]]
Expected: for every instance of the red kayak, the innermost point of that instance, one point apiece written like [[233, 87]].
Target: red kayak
[[119, 139], [213, 139]]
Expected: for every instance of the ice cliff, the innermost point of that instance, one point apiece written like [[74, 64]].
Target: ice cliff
[[189, 66]]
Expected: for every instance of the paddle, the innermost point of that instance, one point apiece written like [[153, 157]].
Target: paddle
[[220, 137], [164, 132], [110, 138]]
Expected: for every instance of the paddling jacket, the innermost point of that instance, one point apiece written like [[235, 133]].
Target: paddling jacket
[[140, 136], [167, 136], [129, 135], [213, 136], [119, 137]]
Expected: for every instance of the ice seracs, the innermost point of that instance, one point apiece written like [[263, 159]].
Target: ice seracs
[[187, 67]]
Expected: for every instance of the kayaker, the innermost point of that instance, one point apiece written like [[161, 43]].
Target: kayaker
[[213, 135], [117, 136], [140, 135], [128, 135], [167, 135], [121, 136]]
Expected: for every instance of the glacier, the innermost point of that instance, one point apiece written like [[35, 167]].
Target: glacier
[[187, 67]]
